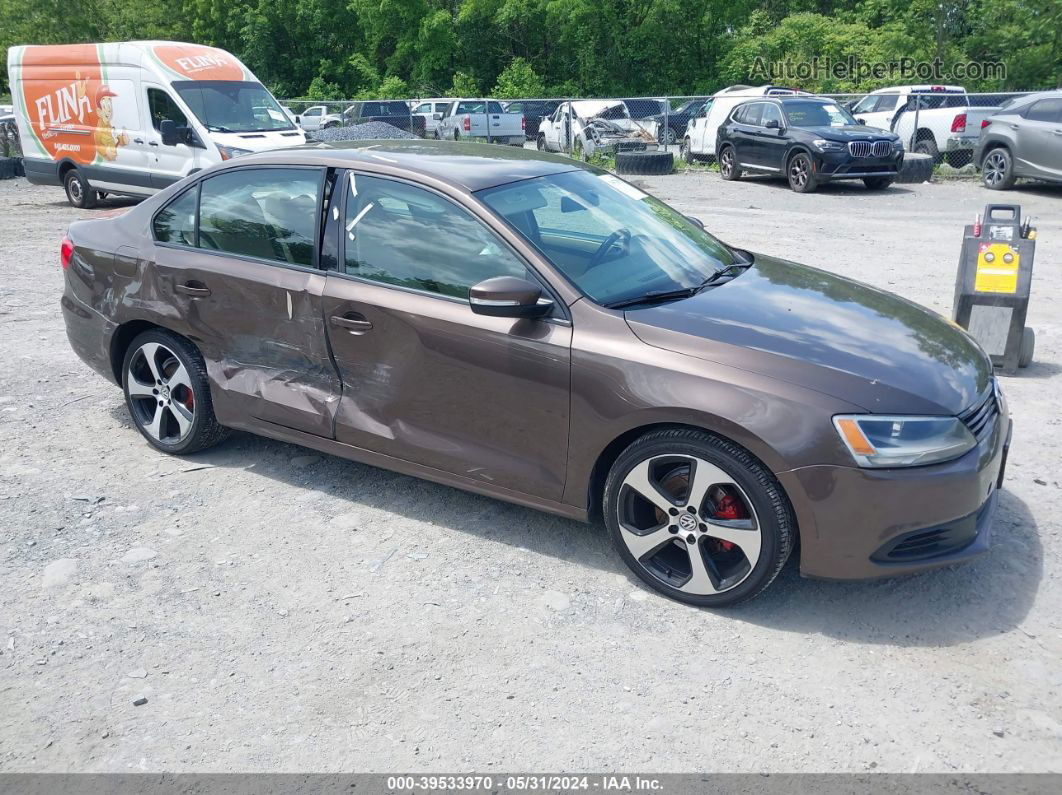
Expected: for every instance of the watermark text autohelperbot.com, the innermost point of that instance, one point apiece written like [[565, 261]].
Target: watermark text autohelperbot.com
[[902, 70]]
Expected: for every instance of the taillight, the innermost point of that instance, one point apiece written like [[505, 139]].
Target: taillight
[[66, 251], [467, 124], [985, 123], [958, 124], [523, 124]]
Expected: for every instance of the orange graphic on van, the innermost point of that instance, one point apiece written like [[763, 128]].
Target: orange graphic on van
[[194, 62], [60, 107], [107, 141]]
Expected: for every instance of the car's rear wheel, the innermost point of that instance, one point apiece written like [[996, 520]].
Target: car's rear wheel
[[801, 174], [541, 143], [686, 151], [928, 146], [78, 190], [997, 170], [697, 518], [166, 390], [728, 168]]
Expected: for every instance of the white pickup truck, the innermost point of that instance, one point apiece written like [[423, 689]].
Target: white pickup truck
[[947, 124], [597, 126], [317, 117], [482, 120]]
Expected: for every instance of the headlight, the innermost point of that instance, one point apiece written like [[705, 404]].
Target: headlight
[[229, 152], [878, 441], [897, 144], [827, 146]]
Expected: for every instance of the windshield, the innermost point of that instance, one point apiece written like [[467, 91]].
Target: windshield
[[233, 106], [809, 113], [612, 241]]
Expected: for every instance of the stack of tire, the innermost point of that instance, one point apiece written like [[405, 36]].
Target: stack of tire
[[647, 163], [11, 167]]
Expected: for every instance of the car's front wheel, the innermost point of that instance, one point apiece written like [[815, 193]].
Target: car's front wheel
[[166, 390], [801, 173], [877, 183], [697, 517]]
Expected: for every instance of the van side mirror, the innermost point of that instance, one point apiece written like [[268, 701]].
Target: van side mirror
[[508, 296], [169, 132]]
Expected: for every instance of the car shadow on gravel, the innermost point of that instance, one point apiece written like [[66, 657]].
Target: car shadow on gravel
[[958, 604], [838, 188], [990, 596]]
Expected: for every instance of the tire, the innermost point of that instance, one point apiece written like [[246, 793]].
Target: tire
[[9, 167], [540, 144], [436, 134], [742, 525], [1028, 347], [728, 168], [648, 163], [915, 168], [686, 153], [997, 169], [181, 391], [877, 183], [928, 146], [79, 192], [667, 136], [800, 171], [457, 135]]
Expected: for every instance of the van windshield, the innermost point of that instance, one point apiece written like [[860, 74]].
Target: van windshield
[[233, 106]]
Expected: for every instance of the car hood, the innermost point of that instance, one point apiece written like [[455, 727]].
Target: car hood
[[850, 132], [826, 333]]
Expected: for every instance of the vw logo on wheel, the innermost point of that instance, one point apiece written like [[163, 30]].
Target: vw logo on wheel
[[687, 521]]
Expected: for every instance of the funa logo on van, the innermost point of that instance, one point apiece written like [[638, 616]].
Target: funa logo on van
[[198, 63], [64, 104]]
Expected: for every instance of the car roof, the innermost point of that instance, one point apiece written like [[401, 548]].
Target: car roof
[[472, 166]]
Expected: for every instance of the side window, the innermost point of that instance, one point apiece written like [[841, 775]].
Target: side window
[[442, 107], [494, 107], [515, 107], [867, 104], [770, 113], [162, 107], [175, 223], [423, 107], [313, 112], [886, 102], [753, 114], [268, 213], [1045, 110], [407, 236]]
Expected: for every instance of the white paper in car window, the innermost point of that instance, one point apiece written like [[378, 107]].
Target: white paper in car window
[[623, 187]]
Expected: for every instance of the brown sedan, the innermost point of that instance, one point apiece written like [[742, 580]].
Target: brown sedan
[[540, 331]]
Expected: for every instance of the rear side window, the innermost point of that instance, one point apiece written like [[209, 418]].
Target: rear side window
[[494, 107], [268, 213], [399, 234], [175, 223], [886, 102], [1045, 110]]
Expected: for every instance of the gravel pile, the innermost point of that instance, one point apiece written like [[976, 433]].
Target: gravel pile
[[370, 130]]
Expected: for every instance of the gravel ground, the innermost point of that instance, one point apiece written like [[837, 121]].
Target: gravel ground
[[370, 130], [280, 610]]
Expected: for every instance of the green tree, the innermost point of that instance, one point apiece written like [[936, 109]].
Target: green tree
[[518, 80]]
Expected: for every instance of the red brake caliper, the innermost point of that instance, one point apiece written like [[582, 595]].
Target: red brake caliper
[[729, 508]]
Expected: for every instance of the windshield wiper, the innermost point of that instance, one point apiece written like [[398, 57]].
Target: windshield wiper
[[729, 270], [218, 128], [654, 297]]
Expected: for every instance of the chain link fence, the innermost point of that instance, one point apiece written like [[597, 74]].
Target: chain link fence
[[940, 121]]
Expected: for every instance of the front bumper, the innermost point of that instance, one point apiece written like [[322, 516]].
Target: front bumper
[[853, 521], [841, 165]]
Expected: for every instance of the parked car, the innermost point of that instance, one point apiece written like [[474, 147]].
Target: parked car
[[540, 331], [164, 110], [699, 141], [533, 111], [643, 107], [810, 140], [483, 120], [432, 111], [394, 112], [671, 126], [594, 126], [318, 117], [948, 122], [1022, 140]]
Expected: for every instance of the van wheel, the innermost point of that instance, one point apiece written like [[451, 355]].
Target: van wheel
[[167, 393], [698, 518], [78, 191]]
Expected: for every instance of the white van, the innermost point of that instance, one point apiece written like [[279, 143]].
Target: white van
[[132, 118], [700, 132]]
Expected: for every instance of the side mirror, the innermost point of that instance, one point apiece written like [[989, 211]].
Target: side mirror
[[508, 296], [168, 128], [861, 121], [772, 124], [694, 221], [437, 116]]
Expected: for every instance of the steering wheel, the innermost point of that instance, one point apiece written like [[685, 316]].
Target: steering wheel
[[607, 245]]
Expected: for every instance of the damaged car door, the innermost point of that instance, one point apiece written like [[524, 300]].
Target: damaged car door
[[244, 284], [426, 379]]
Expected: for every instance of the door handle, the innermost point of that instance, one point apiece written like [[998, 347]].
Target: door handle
[[138, 140], [153, 143], [194, 289], [354, 322]]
